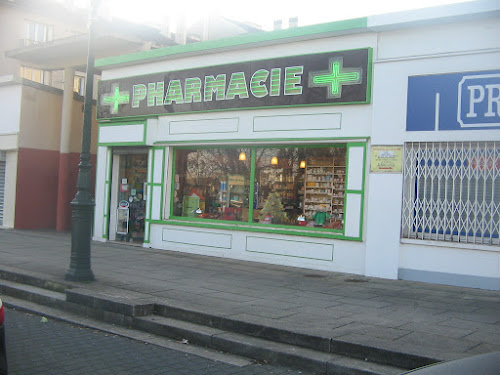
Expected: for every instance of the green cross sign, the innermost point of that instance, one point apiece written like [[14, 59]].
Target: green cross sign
[[115, 98], [334, 78]]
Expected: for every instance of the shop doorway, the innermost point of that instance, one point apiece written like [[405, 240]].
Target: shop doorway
[[128, 196]]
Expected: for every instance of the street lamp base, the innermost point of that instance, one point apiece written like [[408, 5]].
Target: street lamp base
[[81, 238], [80, 275]]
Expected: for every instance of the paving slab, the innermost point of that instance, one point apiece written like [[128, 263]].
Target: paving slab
[[433, 320]]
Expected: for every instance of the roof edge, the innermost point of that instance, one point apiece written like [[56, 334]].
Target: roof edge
[[11, 80], [266, 37], [377, 23], [429, 15]]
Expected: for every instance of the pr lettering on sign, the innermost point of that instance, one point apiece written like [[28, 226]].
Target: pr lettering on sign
[[458, 101], [479, 100]]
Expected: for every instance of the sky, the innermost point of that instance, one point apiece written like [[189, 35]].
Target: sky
[[259, 12]]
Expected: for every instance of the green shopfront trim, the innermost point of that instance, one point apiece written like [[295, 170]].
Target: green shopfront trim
[[339, 77], [249, 225], [156, 162]]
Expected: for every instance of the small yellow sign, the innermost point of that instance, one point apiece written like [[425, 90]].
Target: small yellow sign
[[387, 159]]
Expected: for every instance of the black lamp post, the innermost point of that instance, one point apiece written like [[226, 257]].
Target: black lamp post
[[83, 204]]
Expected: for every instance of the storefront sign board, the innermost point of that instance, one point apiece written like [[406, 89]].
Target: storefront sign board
[[339, 77], [458, 101]]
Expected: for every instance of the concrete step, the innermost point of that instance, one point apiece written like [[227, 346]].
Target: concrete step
[[32, 278], [254, 339], [146, 337], [112, 300], [107, 310], [217, 340], [384, 356], [261, 349], [249, 328], [32, 293], [129, 305]]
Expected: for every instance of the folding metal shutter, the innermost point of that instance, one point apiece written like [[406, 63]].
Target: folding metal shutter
[[2, 184], [452, 192]]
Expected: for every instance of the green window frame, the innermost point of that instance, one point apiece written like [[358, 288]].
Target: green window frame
[[249, 224]]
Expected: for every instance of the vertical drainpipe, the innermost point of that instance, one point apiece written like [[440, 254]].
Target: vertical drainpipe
[[65, 183]]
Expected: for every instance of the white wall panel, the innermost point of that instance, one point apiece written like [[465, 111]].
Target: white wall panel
[[300, 249], [356, 168], [320, 121], [197, 238], [10, 107], [222, 125], [121, 134], [158, 166], [156, 203], [353, 215], [384, 223], [101, 192], [294, 251], [439, 39], [450, 260]]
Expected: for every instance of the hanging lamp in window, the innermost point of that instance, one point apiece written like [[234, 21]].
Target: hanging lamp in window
[[242, 156], [302, 164], [274, 160]]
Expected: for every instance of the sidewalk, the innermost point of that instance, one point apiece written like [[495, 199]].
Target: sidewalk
[[434, 321]]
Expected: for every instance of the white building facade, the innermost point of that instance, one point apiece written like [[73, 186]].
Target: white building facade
[[368, 146]]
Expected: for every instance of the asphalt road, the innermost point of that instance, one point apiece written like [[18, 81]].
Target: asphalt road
[[36, 346]]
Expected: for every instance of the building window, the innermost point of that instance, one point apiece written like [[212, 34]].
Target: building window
[[212, 183], [79, 85], [35, 75], [288, 186], [452, 192], [37, 33]]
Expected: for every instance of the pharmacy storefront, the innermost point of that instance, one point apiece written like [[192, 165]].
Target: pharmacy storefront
[[337, 147], [255, 154]]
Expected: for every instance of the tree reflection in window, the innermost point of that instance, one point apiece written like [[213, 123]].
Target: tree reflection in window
[[291, 185]]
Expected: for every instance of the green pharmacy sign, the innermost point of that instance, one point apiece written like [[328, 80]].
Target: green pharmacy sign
[[341, 77]]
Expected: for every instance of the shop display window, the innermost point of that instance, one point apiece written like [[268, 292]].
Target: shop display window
[[212, 183], [290, 186]]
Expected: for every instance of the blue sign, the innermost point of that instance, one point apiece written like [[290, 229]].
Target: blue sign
[[458, 101]]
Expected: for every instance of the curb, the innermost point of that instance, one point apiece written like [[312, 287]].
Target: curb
[[258, 341]]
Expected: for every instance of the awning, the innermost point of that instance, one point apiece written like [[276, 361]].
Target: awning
[[71, 51]]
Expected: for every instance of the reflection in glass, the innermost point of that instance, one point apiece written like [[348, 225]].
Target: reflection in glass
[[293, 186], [212, 184]]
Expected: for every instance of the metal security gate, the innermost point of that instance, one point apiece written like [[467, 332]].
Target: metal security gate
[[2, 184], [452, 192]]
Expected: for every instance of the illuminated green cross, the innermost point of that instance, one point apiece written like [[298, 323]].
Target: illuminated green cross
[[115, 98], [335, 78]]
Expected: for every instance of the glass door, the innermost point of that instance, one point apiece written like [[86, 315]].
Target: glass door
[[128, 201]]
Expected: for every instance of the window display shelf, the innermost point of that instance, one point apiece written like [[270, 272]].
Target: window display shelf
[[324, 186]]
